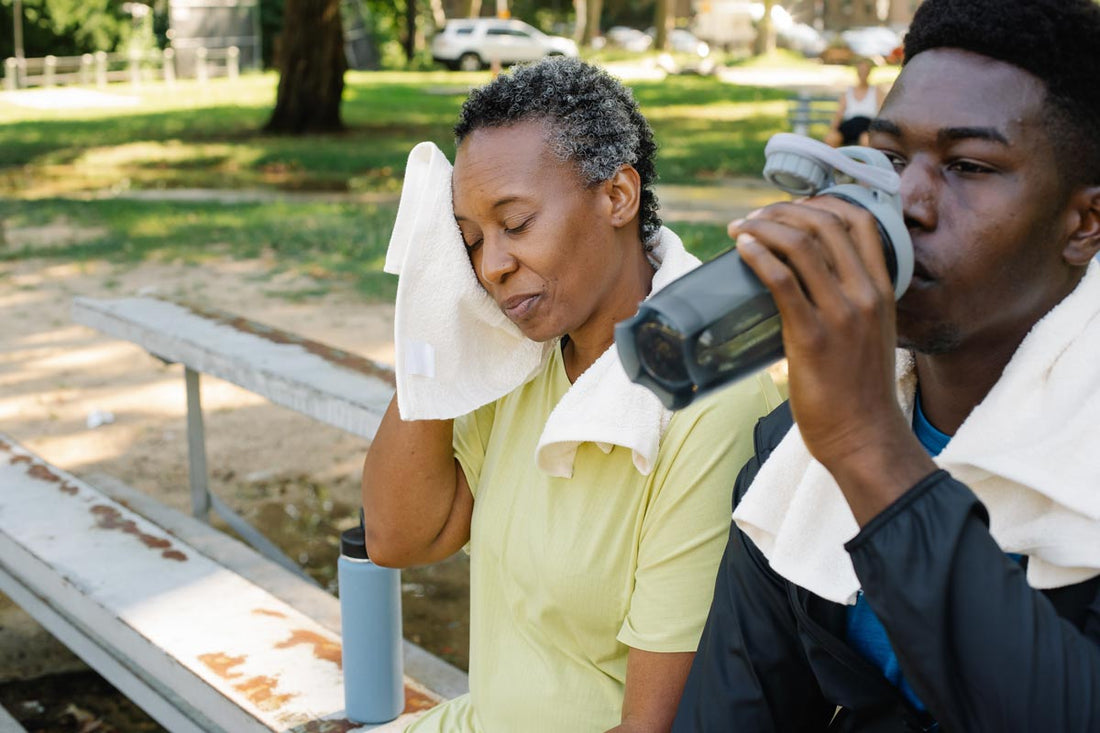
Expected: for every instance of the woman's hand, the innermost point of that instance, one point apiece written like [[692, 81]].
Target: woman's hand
[[822, 260]]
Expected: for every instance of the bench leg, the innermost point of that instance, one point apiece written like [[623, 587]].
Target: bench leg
[[196, 448], [202, 501]]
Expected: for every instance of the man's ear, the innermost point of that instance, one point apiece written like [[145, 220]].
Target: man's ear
[[624, 190], [1084, 240]]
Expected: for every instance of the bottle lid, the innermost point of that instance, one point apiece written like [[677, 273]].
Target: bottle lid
[[352, 543]]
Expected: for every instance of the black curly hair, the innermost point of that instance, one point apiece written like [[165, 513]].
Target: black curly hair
[[1057, 41], [593, 119]]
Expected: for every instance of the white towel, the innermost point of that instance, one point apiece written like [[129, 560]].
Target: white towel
[[1028, 451], [454, 349], [603, 406]]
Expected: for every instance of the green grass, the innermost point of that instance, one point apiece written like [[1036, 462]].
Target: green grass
[[330, 242], [333, 243], [208, 137], [192, 136]]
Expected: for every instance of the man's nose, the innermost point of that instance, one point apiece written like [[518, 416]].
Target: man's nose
[[919, 185]]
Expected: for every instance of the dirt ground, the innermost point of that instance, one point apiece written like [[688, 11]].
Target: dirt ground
[[92, 404]]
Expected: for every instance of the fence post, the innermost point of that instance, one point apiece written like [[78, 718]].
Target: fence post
[[86, 69], [49, 71], [135, 67], [11, 74], [169, 67], [101, 69], [201, 72], [233, 62]]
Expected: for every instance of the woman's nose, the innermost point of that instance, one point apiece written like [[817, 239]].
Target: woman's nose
[[495, 260]]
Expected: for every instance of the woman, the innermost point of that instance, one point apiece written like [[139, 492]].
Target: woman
[[588, 593], [855, 110]]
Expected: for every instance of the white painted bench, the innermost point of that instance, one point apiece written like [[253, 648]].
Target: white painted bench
[[194, 627]]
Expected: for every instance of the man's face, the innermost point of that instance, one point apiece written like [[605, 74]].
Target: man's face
[[982, 198]]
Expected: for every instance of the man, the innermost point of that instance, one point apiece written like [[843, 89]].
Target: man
[[866, 586]]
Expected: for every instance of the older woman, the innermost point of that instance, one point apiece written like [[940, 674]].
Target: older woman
[[588, 593]]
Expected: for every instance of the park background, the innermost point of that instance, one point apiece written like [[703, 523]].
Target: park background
[[194, 188]]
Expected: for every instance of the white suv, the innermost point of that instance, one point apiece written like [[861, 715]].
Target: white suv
[[470, 44]]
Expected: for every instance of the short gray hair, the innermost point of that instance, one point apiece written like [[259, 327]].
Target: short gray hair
[[592, 121]]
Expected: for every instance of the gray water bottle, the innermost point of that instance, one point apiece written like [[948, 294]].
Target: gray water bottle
[[370, 623]]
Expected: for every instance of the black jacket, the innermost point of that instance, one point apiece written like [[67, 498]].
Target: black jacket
[[983, 650]]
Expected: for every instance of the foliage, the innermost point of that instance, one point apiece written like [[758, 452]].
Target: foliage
[[66, 27]]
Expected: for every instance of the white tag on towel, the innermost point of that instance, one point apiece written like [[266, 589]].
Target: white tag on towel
[[420, 359]]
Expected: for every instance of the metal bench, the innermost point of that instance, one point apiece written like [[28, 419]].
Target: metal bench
[[201, 631], [196, 628], [807, 113], [330, 385]]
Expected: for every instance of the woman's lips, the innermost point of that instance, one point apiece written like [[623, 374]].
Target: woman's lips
[[519, 307]]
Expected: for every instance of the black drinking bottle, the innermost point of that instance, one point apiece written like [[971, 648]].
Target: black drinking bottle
[[718, 323]]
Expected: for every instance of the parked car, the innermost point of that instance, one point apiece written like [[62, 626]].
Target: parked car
[[684, 41], [630, 39], [470, 44], [800, 37], [874, 42]]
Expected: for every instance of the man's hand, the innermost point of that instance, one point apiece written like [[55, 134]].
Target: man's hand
[[822, 261]]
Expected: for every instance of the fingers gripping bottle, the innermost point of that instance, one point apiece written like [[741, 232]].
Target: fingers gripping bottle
[[370, 624], [719, 323]]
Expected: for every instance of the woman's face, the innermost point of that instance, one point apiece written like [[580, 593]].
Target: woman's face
[[541, 242]]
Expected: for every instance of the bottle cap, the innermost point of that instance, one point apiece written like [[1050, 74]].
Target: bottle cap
[[352, 543]]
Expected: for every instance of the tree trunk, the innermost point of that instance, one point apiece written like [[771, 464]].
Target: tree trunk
[[592, 28], [765, 36], [662, 21], [474, 10], [410, 29], [580, 29], [439, 17], [311, 69]]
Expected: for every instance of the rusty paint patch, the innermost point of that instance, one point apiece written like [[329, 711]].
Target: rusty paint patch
[[416, 701], [39, 471], [222, 664], [323, 648], [335, 725], [107, 517], [42, 472], [268, 612], [260, 691], [337, 356]]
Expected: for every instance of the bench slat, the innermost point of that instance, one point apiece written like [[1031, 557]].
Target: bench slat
[[201, 648], [333, 386]]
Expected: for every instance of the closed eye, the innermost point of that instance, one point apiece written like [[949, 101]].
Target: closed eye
[[519, 228]]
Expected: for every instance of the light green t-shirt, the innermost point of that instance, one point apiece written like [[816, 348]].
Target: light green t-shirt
[[567, 574]]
